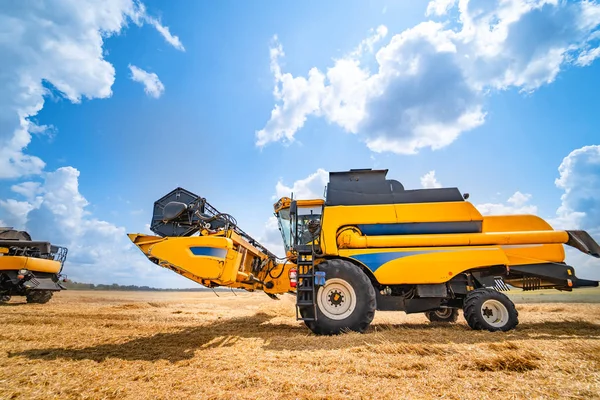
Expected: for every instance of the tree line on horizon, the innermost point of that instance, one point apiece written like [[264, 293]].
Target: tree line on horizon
[[115, 286]]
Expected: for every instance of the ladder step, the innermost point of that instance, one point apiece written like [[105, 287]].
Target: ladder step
[[305, 289], [305, 276], [305, 303]]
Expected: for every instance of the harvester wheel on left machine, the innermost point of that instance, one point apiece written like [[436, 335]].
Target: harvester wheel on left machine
[[346, 301], [442, 315], [39, 296]]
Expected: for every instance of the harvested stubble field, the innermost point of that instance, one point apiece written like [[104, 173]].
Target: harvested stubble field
[[147, 345]]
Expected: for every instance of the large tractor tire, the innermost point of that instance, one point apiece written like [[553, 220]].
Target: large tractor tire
[[449, 315], [345, 303], [39, 296], [488, 309]]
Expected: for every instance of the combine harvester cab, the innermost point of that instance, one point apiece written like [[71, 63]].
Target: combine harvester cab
[[372, 245], [29, 268]]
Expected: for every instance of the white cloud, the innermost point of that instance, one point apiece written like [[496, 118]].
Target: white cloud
[[368, 44], [518, 203], [429, 181], [579, 177], [271, 237], [16, 212], [60, 43], [431, 80], [164, 31], [311, 187], [98, 250], [439, 7], [152, 85], [300, 98], [27, 189]]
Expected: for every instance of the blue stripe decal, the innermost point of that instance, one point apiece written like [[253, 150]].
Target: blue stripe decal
[[420, 228], [208, 251], [376, 260]]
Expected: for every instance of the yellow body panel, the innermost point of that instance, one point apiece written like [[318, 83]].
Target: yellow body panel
[[285, 202], [436, 258], [514, 223], [215, 260], [439, 264], [337, 217], [15, 263]]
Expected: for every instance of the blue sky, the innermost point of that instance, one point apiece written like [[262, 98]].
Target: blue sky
[[106, 107]]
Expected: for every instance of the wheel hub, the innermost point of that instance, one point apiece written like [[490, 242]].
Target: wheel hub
[[495, 313], [337, 299], [444, 313]]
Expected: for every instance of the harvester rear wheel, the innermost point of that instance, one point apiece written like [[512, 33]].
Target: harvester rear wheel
[[345, 302], [442, 315], [39, 296], [488, 309]]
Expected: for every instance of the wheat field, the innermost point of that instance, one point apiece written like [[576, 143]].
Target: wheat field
[[178, 345]]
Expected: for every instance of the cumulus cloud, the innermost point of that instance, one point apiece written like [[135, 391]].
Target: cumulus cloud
[[311, 187], [429, 181], [58, 45], [152, 85], [432, 80], [518, 203], [439, 7], [55, 49], [99, 251], [579, 178]]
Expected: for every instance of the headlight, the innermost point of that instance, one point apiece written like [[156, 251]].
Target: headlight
[[23, 272]]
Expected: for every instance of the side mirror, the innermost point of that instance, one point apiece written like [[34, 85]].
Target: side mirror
[[293, 208], [465, 196]]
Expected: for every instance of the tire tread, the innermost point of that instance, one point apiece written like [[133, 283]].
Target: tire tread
[[473, 317], [362, 281]]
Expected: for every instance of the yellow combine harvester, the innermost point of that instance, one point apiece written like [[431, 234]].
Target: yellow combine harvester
[[371, 245], [29, 268]]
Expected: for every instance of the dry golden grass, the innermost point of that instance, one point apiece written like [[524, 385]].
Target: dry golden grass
[[111, 345]]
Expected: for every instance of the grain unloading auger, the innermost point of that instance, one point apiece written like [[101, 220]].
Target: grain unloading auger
[[372, 245]]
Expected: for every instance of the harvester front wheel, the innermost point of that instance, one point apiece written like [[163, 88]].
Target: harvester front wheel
[[39, 296], [345, 302], [488, 309], [442, 315]]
